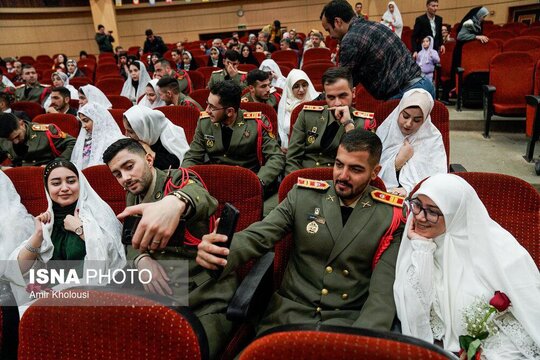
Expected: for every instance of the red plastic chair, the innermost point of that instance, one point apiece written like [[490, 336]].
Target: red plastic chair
[[201, 60], [118, 115], [184, 116], [197, 79], [27, 59], [28, 181], [106, 69], [285, 56], [285, 69], [200, 96], [119, 102], [315, 71], [32, 109], [106, 186], [67, 123], [260, 56], [110, 86], [364, 101], [80, 81], [315, 54], [266, 109], [513, 203], [444, 71], [44, 59]]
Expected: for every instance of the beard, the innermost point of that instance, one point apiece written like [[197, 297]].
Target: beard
[[144, 183]]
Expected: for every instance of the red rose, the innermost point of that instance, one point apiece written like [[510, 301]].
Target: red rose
[[500, 301]]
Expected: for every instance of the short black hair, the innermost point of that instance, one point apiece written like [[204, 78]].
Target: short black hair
[[99, 27], [358, 3], [287, 41], [164, 63], [229, 93], [82, 52], [28, 66], [256, 75], [430, 1], [232, 55], [64, 92], [363, 140], [169, 83], [149, 32], [133, 146], [333, 74], [7, 98], [337, 8], [8, 124]]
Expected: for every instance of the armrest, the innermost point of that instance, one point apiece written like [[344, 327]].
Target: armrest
[[254, 291], [438, 75], [489, 89], [532, 125], [460, 70], [532, 100], [459, 86], [457, 168]]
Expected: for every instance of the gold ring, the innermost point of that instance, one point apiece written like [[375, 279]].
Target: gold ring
[[156, 242]]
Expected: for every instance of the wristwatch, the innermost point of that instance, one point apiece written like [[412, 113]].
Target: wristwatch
[[350, 121], [79, 231]]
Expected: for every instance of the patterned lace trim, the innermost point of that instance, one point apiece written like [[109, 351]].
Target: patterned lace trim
[[512, 330]]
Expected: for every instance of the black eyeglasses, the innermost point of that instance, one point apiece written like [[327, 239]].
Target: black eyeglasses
[[212, 108], [430, 215]]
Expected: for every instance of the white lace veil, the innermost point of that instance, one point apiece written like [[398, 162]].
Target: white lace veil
[[474, 257], [129, 91], [429, 156], [146, 102], [288, 102], [151, 125], [105, 131], [272, 65], [395, 18], [94, 95]]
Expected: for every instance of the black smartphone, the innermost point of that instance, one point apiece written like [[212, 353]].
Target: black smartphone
[[131, 223], [227, 226]]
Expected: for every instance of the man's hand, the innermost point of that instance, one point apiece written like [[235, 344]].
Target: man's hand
[[158, 222], [341, 113], [51, 110], [159, 284], [208, 253], [231, 69]]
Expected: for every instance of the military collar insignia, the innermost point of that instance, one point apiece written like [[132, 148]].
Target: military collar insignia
[[387, 198]]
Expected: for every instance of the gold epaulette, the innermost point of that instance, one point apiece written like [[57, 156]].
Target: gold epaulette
[[387, 198], [203, 115], [244, 99], [45, 85], [19, 86], [312, 184], [40, 127], [364, 114], [242, 72], [253, 115], [313, 108], [216, 71]]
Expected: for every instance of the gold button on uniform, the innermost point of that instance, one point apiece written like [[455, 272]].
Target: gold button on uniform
[[176, 284], [317, 163], [318, 309], [329, 269], [345, 272], [324, 291], [344, 296], [171, 268]]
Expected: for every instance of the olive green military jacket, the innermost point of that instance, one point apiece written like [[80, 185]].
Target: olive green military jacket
[[221, 75], [305, 150], [207, 146], [38, 149], [37, 94], [273, 100], [185, 100], [329, 278], [208, 298]]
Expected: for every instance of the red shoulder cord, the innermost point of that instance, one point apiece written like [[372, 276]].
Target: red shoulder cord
[[370, 124], [51, 136], [189, 239], [260, 126], [277, 96], [386, 239], [43, 94]]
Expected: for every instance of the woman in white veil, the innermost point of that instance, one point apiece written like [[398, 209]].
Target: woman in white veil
[[91, 94], [151, 98], [392, 18], [77, 226], [166, 140], [269, 65], [61, 79], [298, 88], [452, 255], [99, 130], [412, 146], [136, 82]]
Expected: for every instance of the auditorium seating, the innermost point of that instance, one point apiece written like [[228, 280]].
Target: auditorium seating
[[315, 71], [80, 81], [106, 186], [110, 86], [443, 70], [207, 72], [32, 109], [28, 181], [285, 56], [505, 95], [66, 122], [321, 342], [200, 96], [266, 109], [315, 55], [503, 35], [300, 107], [197, 80], [119, 102], [184, 116], [247, 67], [522, 43], [364, 101], [118, 115]]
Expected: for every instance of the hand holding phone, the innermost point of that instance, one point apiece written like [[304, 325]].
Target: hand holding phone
[[227, 226]]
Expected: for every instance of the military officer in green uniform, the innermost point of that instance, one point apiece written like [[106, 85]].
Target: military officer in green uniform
[[163, 69], [231, 59], [29, 144], [258, 82], [346, 239], [170, 93], [317, 130], [32, 90], [183, 193], [227, 135]]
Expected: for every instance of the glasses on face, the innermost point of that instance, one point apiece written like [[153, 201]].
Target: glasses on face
[[430, 215], [212, 108]]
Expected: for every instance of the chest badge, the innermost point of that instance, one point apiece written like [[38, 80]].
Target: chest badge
[[210, 141], [246, 133], [366, 204], [312, 227]]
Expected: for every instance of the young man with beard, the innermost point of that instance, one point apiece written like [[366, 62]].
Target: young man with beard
[[163, 198], [346, 238], [260, 90]]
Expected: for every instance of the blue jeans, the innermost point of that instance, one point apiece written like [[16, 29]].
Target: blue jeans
[[425, 84]]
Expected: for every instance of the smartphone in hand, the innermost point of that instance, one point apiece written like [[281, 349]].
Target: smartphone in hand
[[227, 226]]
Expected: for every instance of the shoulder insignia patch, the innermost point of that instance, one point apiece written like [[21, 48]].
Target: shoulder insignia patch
[[313, 108], [253, 115], [203, 115], [387, 198], [364, 114], [312, 184], [40, 127]]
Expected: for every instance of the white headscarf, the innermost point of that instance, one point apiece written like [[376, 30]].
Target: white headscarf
[[95, 95], [394, 18], [151, 125], [474, 258], [429, 156], [73, 93], [102, 237], [105, 131], [288, 102], [145, 102], [129, 91], [72, 61], [272, 65], [16, 224]]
